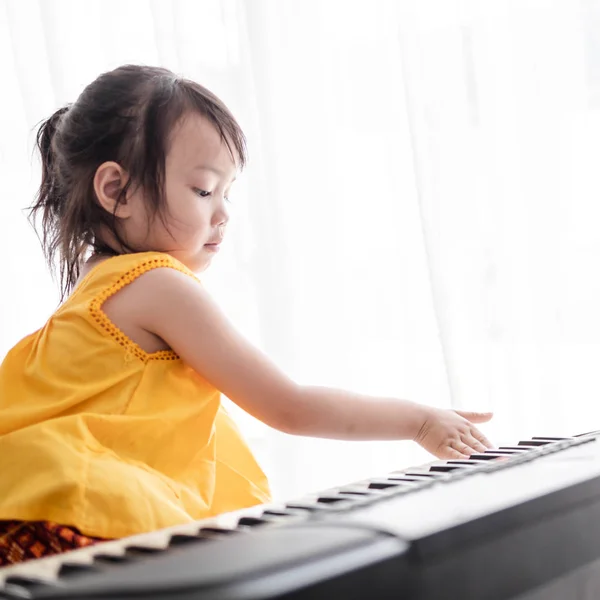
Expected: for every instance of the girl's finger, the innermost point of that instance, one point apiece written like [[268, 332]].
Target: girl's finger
[[452, 453], [473, 443], [462, 448], [481, 438]]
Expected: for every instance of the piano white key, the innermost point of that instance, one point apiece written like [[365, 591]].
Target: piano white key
[[158, 540], [43, 569], [110, 548], [228, 520]]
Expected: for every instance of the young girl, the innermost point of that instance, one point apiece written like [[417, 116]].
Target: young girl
[[110, 415]]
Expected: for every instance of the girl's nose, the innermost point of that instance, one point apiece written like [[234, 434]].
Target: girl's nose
[[221, 215]]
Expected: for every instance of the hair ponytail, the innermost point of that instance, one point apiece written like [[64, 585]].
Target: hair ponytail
[[48, 193], [49, 200]]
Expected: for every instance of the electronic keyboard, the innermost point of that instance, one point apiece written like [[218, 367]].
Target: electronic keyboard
[[519, 521]]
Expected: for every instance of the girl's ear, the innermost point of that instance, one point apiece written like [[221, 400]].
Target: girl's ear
[[109, 180]]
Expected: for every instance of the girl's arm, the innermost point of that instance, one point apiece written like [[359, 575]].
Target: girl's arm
[[176, 308]]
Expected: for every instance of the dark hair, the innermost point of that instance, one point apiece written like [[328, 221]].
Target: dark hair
[[126, 116]]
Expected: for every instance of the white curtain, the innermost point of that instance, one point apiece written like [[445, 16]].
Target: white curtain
[[419, 217]]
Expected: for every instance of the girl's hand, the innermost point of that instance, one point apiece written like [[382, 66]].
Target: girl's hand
[[451, 434]]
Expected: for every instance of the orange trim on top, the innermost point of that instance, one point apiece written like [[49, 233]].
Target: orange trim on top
[[100, 317]]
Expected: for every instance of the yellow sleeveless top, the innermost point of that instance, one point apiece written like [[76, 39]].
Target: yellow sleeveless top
[[98, 434]]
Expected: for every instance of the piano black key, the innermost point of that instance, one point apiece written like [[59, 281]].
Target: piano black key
[[357, 491], [316, 505], [180, 539], [458, 463], [535, 442], [395, 483], [589, 433], [366, 495], [309, 506], [332, 499], [281, 512], [254, 521], [524, 448], [23, 580], [448, 468], [215, 531], [427, 474], [383, 485], [73, 568], [488, 456], [111, 558], [139, 550], [554, 439], [507, 452]]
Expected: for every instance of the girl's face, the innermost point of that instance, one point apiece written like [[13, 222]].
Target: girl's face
[[199, 173]]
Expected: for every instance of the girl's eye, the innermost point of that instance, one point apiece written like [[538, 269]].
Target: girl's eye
[[201, 193]]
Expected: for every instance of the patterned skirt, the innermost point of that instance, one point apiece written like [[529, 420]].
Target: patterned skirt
[[25, 540]]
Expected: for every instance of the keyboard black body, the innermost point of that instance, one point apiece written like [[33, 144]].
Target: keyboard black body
[[495, 527]]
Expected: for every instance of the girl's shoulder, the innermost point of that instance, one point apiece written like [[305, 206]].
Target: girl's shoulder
[[112, 294], [107, 276]]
